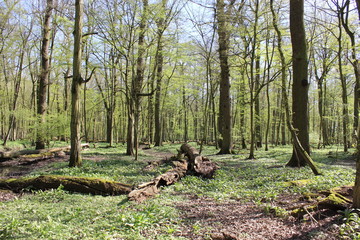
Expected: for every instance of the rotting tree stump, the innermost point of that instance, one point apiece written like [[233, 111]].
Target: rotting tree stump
[[200, 165], [194, 163], [73, 184]]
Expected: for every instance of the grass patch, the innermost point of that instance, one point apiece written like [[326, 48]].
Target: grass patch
[[58, 214]]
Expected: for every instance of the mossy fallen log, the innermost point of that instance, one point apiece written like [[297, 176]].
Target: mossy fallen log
[[333, 199], [298, 183], [149, 189], [33, 153], [73, 184], [193, 164], [153, 164]]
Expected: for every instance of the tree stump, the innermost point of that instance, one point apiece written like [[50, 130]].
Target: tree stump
[[202, 166]]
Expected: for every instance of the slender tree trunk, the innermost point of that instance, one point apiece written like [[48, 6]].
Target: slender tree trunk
[[17, 84], [44, 75], [356, 200], [159, 75], [343, 12], [258, 137], [345, 110], [186, 130], [242, 112], [253, 84], [136, 88], [159, 59], [75, 152], [268, 118], [225, 127]]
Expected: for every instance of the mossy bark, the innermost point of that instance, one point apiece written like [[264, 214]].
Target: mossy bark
[[149, 189], [201, 165], [73, 184], [195, 163], [333, 199]]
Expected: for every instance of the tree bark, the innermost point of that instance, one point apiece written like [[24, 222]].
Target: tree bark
[[225, 122], [300, 85], [159, 58], [195, 164], [44, 75], [344, 17], [356, 199], [298, 148], [75, 153], [139, 78], [345, 110]]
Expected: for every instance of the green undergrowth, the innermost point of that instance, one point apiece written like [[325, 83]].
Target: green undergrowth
[[58, 214]]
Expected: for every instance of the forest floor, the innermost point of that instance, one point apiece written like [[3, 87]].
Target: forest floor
[[237, 220], [205, 217]]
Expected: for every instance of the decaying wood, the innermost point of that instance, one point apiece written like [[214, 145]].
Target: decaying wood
[[146, 190], [153, 164], [73, 184], [334, 199], [202, 166], [193, 164], [42, 152]]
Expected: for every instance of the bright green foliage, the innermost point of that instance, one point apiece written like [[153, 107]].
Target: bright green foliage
[[58, 214], [350, 229]]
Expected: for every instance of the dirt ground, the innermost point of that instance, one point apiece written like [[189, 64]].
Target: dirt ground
[[205, 218]]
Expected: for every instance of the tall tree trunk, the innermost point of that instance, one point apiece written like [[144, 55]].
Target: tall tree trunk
[[186, 128], [225, 127], [258, 137], [242, 111], [298, 148], [356, 200], [17, 83], [345, 110], [253, 85], [344, 18], [139, 79], [75, 152], [268, 117], [159, 59], [44, 75], [300, 87]]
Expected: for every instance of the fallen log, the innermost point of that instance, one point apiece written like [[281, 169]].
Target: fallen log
[[35, 152], [73, 184], [202, 166], [334, 199], [153, 164], [149, 189], [193, 164]]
